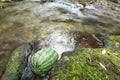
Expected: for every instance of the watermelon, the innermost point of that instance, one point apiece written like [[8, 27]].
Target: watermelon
[[43, 60]]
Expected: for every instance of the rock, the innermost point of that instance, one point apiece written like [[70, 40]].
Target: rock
[[16, 64], [88, 64]]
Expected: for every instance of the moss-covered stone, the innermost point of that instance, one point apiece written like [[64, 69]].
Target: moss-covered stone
[[114, 41], [15, 65], [1, 5], [88, 64], [4, 5]]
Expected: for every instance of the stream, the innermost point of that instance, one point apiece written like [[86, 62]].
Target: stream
[[61, 25]]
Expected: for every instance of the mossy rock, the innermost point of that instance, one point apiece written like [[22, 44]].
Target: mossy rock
[[88, 64], [4, 4], [114, 41], [15, 65]]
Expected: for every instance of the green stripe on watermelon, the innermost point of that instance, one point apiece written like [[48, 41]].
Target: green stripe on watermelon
[[42, 57], [47, 68], [37, 56], [50, 60], [49, 55]]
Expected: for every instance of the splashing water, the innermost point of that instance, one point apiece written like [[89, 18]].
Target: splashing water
[[61, 42]]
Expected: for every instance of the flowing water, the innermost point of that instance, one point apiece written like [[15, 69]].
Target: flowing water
[[63, 26]]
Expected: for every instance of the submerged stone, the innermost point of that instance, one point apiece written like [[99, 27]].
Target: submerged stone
[[88, 64]]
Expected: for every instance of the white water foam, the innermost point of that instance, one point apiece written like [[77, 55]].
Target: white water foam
[[60, 42]]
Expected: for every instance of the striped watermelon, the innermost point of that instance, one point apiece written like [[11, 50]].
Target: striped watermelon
[[43, 60]]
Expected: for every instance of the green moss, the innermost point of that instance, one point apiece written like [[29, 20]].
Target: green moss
[[113, 57], [88, 64], [14, 67], [1, 4], [114, 41]]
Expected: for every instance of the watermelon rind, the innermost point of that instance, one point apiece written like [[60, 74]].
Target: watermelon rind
[[43, 60]]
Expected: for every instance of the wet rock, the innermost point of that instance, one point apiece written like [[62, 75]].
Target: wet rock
[[88, 64], [16, 64]]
